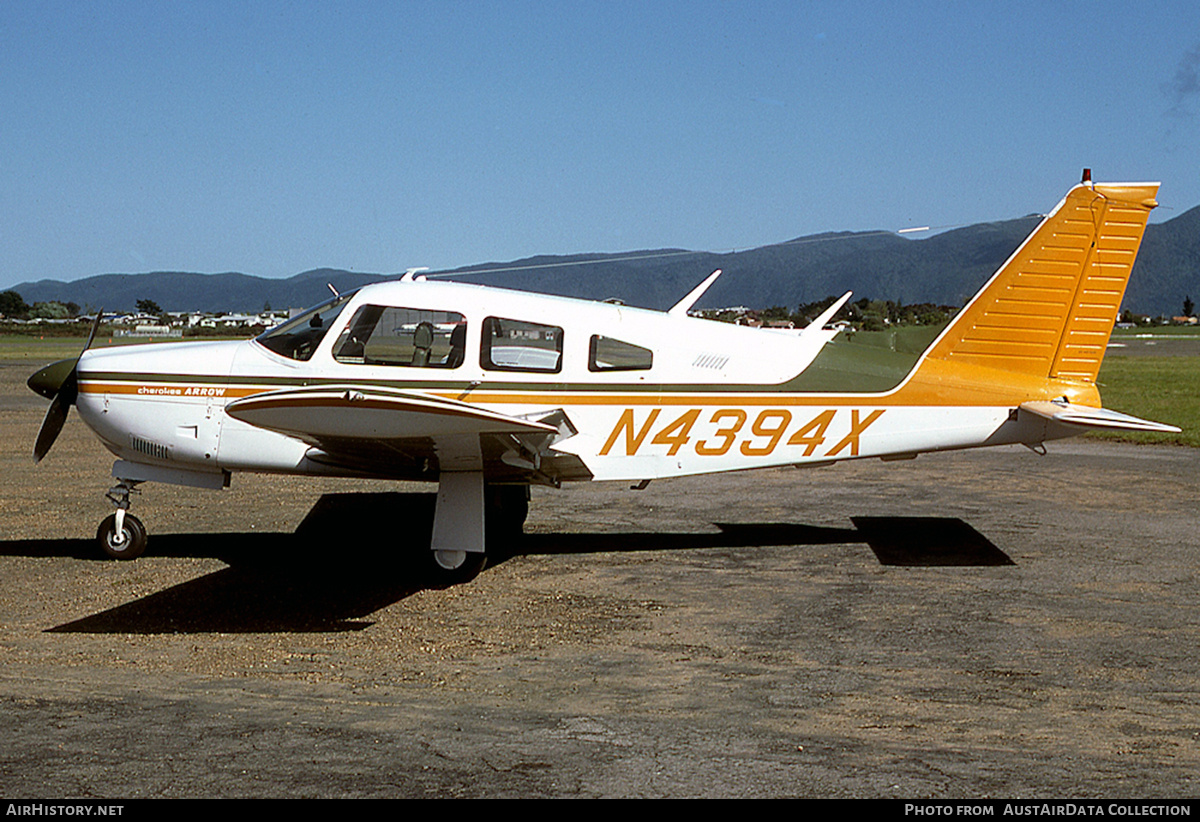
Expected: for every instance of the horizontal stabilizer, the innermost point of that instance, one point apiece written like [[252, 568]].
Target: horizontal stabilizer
[[1099, 418]]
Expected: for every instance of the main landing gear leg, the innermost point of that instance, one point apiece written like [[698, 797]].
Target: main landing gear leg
[[122, 535], [458, 533], [471, 516]]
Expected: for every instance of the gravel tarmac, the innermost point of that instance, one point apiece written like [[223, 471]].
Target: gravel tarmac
[[984, 624]]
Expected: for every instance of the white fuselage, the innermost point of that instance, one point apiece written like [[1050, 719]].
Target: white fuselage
[[677, 395]]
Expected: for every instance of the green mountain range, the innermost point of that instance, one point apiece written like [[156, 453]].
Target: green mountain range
[[946, 269]]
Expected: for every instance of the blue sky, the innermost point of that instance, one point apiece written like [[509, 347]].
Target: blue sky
[[271, 138]]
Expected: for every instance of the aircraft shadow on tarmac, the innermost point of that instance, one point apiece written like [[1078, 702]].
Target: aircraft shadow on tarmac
[[348, 560]]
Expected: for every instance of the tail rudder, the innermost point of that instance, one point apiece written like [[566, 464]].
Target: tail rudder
[[1048, 312]]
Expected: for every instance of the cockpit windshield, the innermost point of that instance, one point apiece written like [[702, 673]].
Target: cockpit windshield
[[299, 337]]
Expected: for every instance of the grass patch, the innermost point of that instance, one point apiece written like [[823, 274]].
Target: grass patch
[[29, 348], [1163, 389]]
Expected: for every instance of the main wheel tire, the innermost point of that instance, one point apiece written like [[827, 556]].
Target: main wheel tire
[[504, 516], [133, 542], [447, 568]]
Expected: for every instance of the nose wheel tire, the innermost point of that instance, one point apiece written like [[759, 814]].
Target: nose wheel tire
[[131, 542]]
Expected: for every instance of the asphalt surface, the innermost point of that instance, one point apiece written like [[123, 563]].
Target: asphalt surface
[[1155, 345], [969, 625]]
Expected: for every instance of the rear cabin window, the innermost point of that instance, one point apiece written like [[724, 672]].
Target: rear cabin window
[[608, 354], [411, 337], [513, 345]]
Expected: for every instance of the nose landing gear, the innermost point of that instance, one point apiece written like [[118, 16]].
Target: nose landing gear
[[122, 535]]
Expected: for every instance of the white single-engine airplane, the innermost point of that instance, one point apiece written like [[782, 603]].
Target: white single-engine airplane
[[487, 391]]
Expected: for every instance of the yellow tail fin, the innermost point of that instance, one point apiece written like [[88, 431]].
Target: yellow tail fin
[[1049, 310]]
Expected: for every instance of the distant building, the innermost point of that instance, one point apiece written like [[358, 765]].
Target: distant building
[[149, 331]]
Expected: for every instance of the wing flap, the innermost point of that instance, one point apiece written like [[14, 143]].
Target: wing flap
[[379, 432], [321, 414], [1098, 418]]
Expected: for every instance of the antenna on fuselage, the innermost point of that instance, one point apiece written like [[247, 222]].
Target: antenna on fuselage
[[334, 290], [827, 315], [409, 275], [680, 309]]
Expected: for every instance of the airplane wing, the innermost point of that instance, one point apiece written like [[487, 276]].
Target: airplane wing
[[408, 435], [1099, 418]]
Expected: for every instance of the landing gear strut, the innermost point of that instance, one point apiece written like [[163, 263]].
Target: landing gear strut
[[503, 512], [122, 535]]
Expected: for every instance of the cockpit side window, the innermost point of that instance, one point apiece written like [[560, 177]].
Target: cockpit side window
[[299, 337], [513, 345], [608, 354], [412, 337]]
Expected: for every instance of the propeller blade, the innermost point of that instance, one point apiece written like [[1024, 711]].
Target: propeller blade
[[56, 415], [49, 381], [60, 382], [92, 334]]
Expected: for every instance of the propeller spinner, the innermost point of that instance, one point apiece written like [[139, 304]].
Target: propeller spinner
[[59, 382]]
